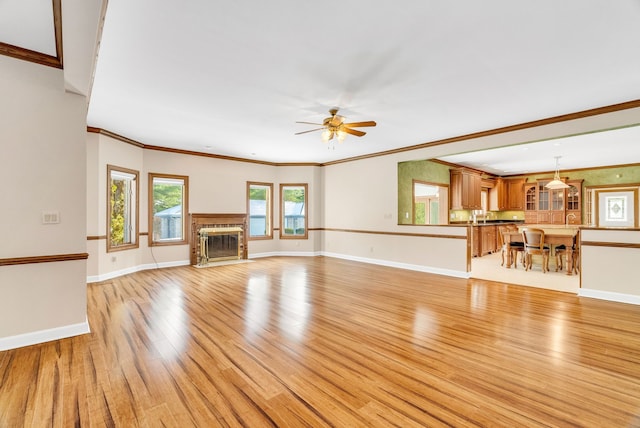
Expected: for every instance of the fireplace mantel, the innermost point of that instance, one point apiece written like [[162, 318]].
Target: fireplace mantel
[[213, 221]]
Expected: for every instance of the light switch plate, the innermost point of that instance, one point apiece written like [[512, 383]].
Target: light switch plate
[[50, 217]]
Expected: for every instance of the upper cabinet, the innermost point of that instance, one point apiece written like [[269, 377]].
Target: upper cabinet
[[465, 189], [531, 203], [509, 194], [513, 194], [553, 206], [574, 202]]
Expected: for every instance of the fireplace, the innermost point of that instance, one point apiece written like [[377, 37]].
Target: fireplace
[[218, 237], [219, 243]]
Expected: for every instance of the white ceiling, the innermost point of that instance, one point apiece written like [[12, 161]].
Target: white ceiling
[[612, 147], [28, 24], [232, 78]]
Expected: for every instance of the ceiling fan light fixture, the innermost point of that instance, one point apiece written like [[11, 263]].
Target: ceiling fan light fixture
[[334, 127], [556, 183]]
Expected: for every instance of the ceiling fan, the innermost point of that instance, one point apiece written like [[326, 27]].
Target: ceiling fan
[[335, 127]]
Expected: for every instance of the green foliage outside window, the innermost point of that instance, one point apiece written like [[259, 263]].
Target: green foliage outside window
[[294, 195], [118, 211], [258, 193], [166, 196], [420, 214]]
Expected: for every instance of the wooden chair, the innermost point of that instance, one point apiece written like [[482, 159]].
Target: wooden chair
[[534, 246], [561, 251], [576, 253], [516, 247]]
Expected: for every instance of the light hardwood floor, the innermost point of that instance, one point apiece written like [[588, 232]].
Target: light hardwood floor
[[328, 342]]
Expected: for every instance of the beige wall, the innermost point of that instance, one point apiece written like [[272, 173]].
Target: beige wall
[[609, 264], [352, 203], [361, 199], [215, 186], [42, 147], [343, 196]]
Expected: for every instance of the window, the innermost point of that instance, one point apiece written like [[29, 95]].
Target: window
[[430, 203], [122, 208], [168, 207], [260, 209], [293, 209], [616, 206]]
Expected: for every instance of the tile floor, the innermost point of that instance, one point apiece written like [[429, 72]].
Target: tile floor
[[488, 267]]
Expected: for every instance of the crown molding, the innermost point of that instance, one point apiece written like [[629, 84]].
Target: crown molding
[[526, 125]]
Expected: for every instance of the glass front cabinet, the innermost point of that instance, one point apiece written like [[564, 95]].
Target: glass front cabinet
[[530, 203], [558, 206], [574, 202]]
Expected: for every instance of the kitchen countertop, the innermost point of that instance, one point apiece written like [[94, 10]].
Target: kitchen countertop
[[487, 223]]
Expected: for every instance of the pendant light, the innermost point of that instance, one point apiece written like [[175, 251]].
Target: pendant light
[[556, 183]]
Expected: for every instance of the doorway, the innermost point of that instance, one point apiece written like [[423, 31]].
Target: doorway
[[430, 203]]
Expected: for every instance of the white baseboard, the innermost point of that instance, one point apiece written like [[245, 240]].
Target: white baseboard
[[609, 295], [117, 273], [419, 268], [285, 254], [41, 336]]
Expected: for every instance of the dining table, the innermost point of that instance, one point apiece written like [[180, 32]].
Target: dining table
[[564, 237]]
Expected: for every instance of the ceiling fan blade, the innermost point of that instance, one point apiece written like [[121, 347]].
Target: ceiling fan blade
[[311, 130], [311, 123], [353, 132], [359, 124]]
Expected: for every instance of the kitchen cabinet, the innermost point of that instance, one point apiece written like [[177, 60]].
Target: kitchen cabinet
[[552, 206], [507, 194], [487, 240], [465, 190], [574, 202], [476, 241], [510, 194], [530, 203], [483, 240]]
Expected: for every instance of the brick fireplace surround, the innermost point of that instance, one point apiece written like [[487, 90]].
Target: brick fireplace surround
[[199, 221]]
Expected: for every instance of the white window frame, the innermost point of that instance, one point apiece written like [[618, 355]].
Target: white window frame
[[131, 215]]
